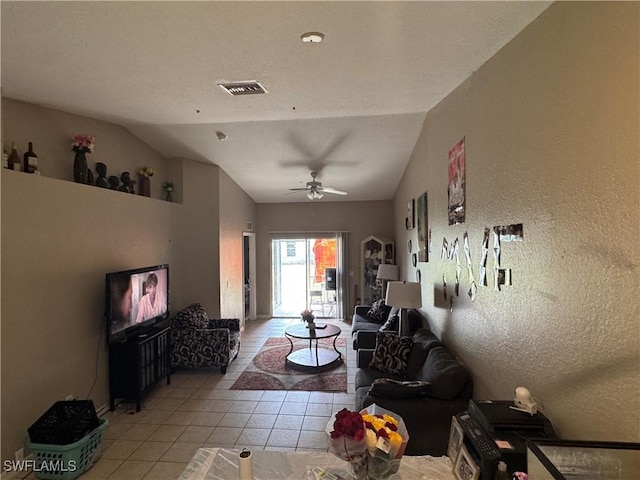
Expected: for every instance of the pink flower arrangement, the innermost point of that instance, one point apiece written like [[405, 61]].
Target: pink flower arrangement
[[307, 315], [83, 143]]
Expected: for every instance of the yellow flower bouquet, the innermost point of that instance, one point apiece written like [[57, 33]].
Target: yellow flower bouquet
[[374, 453]]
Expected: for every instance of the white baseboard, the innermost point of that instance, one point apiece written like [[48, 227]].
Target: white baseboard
[[101, 410]]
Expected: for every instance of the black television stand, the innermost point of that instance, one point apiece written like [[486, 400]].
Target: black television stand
[[138, 363]]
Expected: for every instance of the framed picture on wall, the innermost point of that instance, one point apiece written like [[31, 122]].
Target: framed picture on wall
[[423, 228], [456, 186], [410, 220]]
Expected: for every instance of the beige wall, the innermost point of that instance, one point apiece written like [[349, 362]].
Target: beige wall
[[551, 125], [51, 132], [58, 241], [60, 238], [360, 219], [236, 209], [196, 270]]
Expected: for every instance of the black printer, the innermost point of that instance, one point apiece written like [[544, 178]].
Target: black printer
[[509, 429]]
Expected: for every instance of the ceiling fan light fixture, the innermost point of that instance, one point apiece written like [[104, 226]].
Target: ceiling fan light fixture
[[312, 37], [314, 195]]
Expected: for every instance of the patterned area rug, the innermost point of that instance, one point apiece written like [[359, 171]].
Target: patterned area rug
[[268, 370]]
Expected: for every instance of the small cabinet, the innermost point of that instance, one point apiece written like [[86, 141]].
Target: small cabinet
[[138, 363], [373, 252]]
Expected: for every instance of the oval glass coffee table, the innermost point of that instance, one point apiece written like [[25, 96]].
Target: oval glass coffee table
[[312, 357]]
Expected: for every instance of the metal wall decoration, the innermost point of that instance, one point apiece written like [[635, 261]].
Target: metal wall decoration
[[423, 228]]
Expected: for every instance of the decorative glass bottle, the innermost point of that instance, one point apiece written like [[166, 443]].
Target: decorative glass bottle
[[30, 164], [14, 159]]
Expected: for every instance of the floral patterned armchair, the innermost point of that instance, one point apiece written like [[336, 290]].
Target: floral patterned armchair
[[200, 341]]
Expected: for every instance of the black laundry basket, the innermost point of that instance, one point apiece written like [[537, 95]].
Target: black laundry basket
[[66, 422]]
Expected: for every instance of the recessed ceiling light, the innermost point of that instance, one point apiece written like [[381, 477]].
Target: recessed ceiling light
[[312, 37]]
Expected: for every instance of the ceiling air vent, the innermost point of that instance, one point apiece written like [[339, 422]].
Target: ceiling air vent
[[250, 87]]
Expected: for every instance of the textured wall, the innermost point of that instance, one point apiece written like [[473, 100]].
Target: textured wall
[[59, 239], [236, 209], [51, 132], [551, 125]]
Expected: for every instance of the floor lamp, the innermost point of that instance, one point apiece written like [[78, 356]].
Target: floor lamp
[[404, 295], [387, 272]]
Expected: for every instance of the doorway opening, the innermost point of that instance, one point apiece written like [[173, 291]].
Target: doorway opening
[[249, 274], [304, 275]]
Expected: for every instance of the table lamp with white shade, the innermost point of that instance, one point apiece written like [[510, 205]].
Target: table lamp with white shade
[[387, 272], [404, 295]]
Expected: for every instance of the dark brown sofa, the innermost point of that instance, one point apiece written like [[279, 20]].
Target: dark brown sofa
[[446, 390]]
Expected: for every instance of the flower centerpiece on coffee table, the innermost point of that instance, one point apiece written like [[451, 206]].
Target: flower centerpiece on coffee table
[[308, 318]]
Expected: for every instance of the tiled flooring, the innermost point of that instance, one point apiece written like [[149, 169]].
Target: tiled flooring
[[198, 410]]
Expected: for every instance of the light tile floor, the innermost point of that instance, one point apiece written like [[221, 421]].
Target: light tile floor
[[199, 410]]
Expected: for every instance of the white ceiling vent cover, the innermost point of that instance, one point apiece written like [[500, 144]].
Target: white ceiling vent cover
[[250, 87]]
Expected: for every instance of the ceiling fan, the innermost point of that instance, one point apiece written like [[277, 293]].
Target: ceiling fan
[[315, 190]]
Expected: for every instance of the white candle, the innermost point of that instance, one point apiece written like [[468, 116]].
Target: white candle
[[246, 465]]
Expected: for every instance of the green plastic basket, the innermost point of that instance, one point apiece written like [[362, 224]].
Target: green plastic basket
[[67, 462]]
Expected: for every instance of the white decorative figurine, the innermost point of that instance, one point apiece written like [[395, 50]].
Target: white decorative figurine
[[524, 402]]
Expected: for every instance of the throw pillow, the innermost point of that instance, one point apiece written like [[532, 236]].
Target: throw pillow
[[391, 354], [378, 311], [423, 341], [193, 316], [447, 376], [389, 388], [391, 325]]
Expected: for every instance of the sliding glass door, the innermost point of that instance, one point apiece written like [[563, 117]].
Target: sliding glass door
[[305, 275]]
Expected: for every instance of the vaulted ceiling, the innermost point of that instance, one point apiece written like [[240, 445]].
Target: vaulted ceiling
[[350, 107]]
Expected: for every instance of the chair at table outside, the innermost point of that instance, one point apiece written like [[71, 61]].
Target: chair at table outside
[[325, 299], [200, 341]]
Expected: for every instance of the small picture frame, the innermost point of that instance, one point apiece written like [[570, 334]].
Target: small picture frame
[[410, 220], [455, 440], [465, 467]]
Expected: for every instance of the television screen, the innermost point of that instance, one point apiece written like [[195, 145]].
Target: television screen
[[136, 298]]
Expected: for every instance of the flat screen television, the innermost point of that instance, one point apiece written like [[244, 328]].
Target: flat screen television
[[135, 300]]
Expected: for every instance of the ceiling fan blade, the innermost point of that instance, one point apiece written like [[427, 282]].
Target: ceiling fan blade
[[332, 190], [299, 189]]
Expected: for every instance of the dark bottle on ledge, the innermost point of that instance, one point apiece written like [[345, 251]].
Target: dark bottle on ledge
[[14, 158], [30, 160]]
